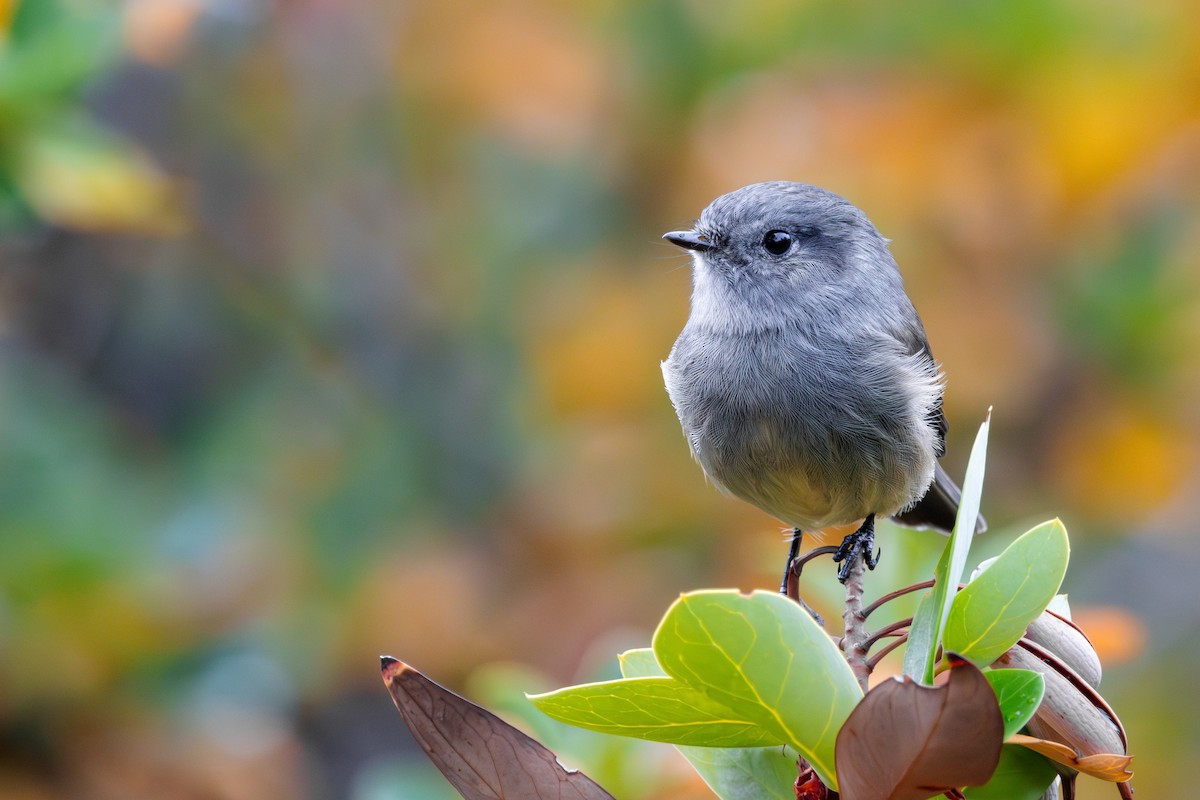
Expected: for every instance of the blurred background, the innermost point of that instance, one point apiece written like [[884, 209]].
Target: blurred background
[[333, 329]]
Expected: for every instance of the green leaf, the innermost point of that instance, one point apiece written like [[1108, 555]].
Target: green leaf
[[764, 658], [931, 615], [746, 773], [1019, 776], [1019, 693], [658, 709], [993, 611], [920, 634], [640, 663], [733, 773]]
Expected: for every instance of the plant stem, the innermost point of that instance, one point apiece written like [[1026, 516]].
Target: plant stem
[[893, 629], [854, 635], [893, 595], [874, 660]]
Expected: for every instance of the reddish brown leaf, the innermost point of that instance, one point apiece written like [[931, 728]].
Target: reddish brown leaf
[[906, 741], [482, 756]]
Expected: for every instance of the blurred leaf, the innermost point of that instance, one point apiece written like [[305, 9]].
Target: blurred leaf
[[1021, 774], [906, 741], [992, 612], [735, 773], [658, 709], [931, 614], [79, 176], [768, 661], [1018, 691], [1128, 307], [484, 757], [52, 49]]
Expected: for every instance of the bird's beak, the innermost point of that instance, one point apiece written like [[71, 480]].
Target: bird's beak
[[690, 240]]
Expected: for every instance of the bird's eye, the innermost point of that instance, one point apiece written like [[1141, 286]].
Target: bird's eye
[[777, 242]]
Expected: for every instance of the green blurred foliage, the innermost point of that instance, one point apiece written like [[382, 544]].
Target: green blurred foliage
[[332, 329]]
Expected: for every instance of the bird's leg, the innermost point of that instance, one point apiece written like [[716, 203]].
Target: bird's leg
[[793, 551], [861, 542]]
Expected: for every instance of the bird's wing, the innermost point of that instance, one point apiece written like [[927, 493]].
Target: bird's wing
[[915, 344]]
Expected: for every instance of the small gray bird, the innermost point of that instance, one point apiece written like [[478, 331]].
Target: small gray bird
[[803, 378]]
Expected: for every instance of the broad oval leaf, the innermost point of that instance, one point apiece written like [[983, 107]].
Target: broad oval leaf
[[1021, 774], [733, 773], [482, 756], [745, 773], [658, 709], [906, 741], [764, 658], [993, 611], [640, 663], [1019, 693]]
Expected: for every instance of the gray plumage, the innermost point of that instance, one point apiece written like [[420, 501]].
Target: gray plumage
[[803, 378]]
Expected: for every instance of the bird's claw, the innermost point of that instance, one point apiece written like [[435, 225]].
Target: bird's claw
[[860, 544]]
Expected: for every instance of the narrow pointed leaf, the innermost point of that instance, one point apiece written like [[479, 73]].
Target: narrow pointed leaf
[[658, 709], [764, 658], [733, 773], [906, 741], [482, 756], [950, 567], [992, 612], [1019, 693], [920, 637]]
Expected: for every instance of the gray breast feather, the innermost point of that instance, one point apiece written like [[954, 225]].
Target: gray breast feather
[[816, 436]]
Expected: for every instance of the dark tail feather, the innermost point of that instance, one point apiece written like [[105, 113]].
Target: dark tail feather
[[938, 508]]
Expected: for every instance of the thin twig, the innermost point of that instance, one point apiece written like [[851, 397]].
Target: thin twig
[[792, 582], [916, 587], [887, 630], [874, 660], [816, 552]]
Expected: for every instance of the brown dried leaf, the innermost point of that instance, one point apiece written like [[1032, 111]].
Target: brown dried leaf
[[906, 741], [1106, 766], [482, 756]]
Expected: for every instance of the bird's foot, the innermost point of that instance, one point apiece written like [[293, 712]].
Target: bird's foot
[[860, 544], [793, 551]]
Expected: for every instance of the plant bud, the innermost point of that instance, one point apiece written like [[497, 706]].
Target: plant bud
[[1071, 712], [1062, 638]]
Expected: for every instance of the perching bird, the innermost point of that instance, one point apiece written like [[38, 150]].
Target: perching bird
[[803, 378]]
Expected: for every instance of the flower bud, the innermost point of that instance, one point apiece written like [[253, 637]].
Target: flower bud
[[1071, 711], [1060, 636]]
